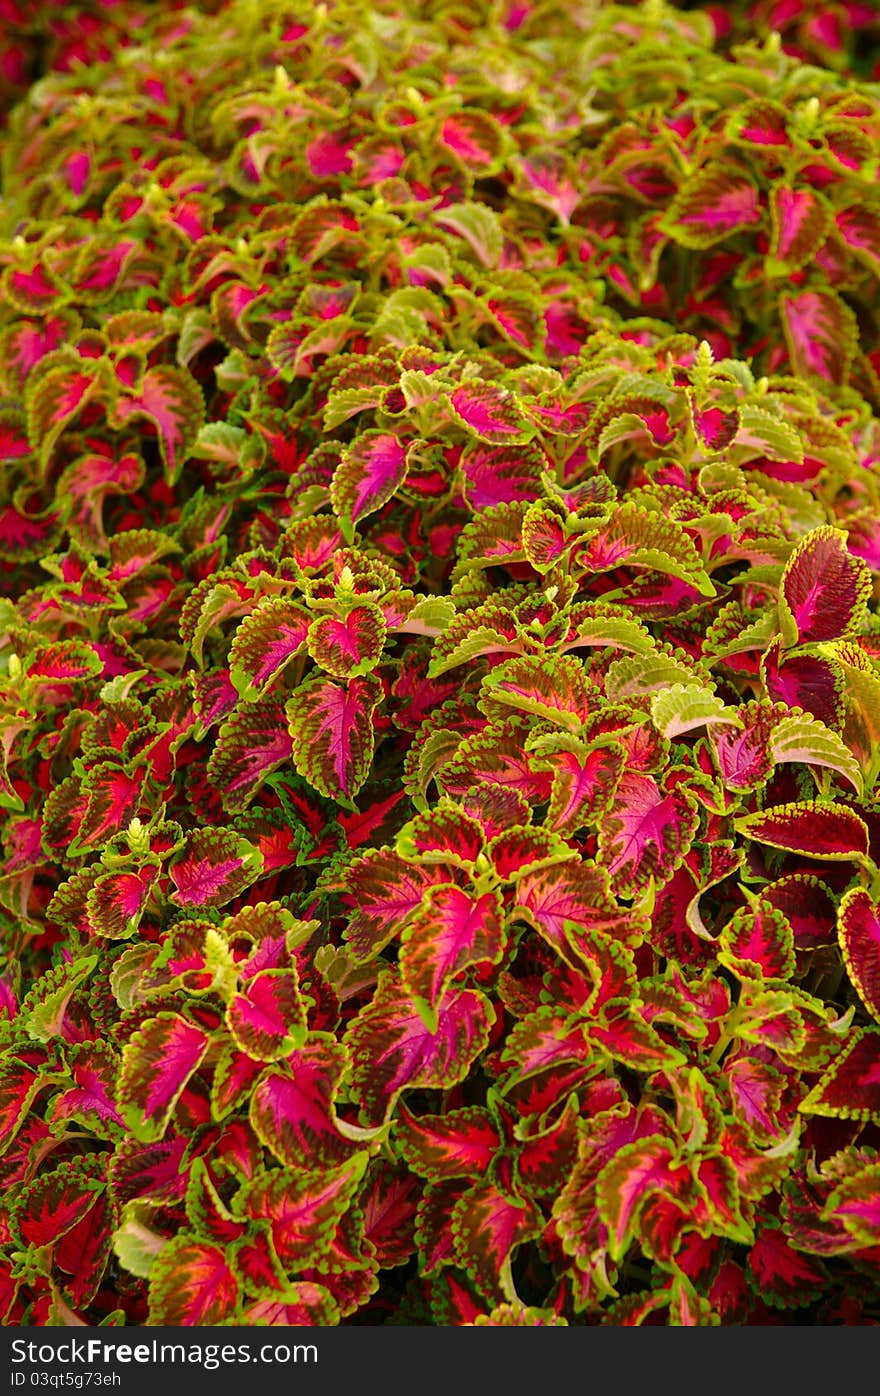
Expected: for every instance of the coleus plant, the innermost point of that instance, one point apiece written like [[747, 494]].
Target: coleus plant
[[440, 705]]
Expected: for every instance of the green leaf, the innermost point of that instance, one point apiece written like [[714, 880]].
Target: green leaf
[[684, 706]]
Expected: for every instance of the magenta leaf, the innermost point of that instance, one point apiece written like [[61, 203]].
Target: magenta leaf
[[393, 1051], [858, 930], [213, 866], [171, 399], [801, 222], [265, 642], [821, 332], [713, 204], [500, 474], [384, 889], [349, 645], [293, 1105], [492, 413], [645, 833], [331, 726], [824, 590], [450, 932], [303, 1208], [157, 1062], [371, 470], [638, 1172], [758, 939], [250, 745], [268, 1018]]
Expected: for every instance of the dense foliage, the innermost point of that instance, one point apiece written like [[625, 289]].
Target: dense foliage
[[440, 664]]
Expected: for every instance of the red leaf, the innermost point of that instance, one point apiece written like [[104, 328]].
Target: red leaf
[[858, 929], [850, 1087], [268, 1020], [817, 830], [191, 1284], [824, 591], [821, 331], [157, 1062], [292, 1106], [450, 932], [461, 1143], [487, 1227], [393, 1051]]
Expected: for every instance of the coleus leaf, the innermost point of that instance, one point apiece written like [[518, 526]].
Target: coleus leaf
[[684, 707], [500, 474], [392, 1050], [191, 1283], [268, 1018], [371, 470], [331, 727], [450, 932], [303, 1303], [755, 1093], [758, 937], [641, 538], [153, 1171], [807, 905], [113, 797], [824, 589], [637, 1172], [265, 642], [349, 645], [480, 227], [389, 1202], [646, 833], [385, 889], [821, 332], [213, 866], [485, 629], [459, 1144], [117, 901], [43, 1010], [254, 741], [55, 399], [90, 1096], [554, 687], [599, 625], [304, 1208], [19, 1083], [712, 204], [784, 1276], [51, 1206], [766, 434], [805, 681], [815, 829], [858, 931], [292, 1106], [849, 1089], [803, 739], [487, 1227], [157, 1063], [857, 225], [492, 413], [800, 220], [585, 776], [856, 1203], [171, 399]]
